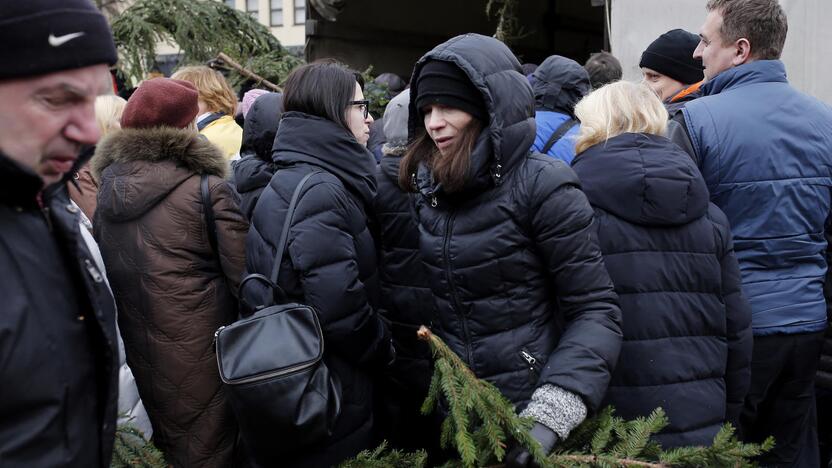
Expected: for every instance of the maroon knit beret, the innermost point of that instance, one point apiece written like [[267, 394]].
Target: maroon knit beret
[[161, 102]]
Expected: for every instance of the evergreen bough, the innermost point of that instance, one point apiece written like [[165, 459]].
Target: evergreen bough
[[131, 449], [201, 29], [481, 424]]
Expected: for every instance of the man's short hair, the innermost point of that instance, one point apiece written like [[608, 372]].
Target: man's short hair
[[762, 22], [603, 68]]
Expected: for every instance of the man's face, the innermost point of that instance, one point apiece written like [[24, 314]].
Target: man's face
[[664, 86], [717, 56], [45, 119]]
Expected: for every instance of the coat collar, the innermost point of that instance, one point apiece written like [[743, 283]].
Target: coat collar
[[304, 138], [759, 71], [183, 147]]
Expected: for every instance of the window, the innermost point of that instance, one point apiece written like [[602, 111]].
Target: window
[[231, 3], [277, 12], [300, 11], [253, 8]]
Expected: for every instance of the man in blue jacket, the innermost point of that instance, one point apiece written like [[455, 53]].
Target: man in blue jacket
[[765, 151], [58, 351]]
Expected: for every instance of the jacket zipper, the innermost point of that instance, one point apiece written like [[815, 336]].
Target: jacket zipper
[[454, 299], [534, 367]]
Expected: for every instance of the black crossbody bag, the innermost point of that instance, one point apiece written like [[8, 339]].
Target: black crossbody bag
[[271, 363]]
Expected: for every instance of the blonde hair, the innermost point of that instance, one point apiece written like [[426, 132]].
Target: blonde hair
[[616, 108], [108, 110], [213, 90]]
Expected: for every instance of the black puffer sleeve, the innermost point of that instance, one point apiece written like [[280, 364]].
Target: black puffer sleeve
[[738, 322], [563, 232]]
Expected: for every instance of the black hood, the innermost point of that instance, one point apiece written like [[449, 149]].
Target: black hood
[[304, 138], [261, 125], [644, 179], [496, 73], [559, 83], [251, 173]]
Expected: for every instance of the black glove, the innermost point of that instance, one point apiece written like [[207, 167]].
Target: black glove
[[519, 456]]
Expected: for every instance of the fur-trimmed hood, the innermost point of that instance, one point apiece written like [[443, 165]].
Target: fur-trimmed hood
[[186, 148], [138, 168]]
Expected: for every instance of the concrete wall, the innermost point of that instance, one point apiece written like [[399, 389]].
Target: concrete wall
[[807, 55]]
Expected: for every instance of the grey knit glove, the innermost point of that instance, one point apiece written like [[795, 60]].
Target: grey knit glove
[[556, 408]]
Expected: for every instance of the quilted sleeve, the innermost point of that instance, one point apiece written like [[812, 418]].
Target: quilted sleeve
[[562, 229]]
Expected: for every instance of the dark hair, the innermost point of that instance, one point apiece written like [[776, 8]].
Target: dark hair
[[762, 22], [603, 68], [449, 169], [323, 88]]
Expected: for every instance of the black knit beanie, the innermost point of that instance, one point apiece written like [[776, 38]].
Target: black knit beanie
[[445, 83], [45, 36], [672, 55]]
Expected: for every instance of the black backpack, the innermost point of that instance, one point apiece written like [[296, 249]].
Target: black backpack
[[272, 366]]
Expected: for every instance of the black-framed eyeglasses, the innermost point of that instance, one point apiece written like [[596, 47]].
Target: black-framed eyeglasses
[[366, 106]]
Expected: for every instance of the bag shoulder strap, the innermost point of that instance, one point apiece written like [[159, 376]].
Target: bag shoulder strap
[[208, 212], [284, 234], [558, 134]]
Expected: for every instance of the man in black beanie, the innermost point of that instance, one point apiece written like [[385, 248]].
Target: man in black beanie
[[669, 68], [58, 354]]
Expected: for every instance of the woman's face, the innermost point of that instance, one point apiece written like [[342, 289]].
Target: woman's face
[[445, 124], [359, 124]]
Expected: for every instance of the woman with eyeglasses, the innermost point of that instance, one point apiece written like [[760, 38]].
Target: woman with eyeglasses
[[508, 240], [330, 261]]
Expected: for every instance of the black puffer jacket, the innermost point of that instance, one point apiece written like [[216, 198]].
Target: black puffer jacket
[[253, 171], [406, 302], [58, 348], [687, 326], [330, 264], [512, 258]]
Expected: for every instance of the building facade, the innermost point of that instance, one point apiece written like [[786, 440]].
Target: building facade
[[285, 18]]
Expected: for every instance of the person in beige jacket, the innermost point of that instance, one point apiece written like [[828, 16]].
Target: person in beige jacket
[[217, 107]]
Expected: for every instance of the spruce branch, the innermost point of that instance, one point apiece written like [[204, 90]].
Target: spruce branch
[[202, 29], [132, 449]]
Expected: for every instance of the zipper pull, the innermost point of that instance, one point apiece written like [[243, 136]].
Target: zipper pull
[[529, 358], [93, 271], [433, 201]]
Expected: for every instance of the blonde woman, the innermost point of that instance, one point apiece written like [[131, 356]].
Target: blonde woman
[[83, 189], [687, 336], [217, 107]]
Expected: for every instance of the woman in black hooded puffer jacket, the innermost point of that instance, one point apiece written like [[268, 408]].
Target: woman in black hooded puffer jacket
[[507, 236], [330, 260]]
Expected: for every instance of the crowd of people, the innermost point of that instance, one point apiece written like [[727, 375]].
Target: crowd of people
[[578, 240]]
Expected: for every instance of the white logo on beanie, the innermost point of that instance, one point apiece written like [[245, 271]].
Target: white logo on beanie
[[61, 40]]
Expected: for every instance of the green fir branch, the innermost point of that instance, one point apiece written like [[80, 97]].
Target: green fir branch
[[132, 449]]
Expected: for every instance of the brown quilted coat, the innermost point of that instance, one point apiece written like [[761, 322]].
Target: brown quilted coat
[[173, 291]]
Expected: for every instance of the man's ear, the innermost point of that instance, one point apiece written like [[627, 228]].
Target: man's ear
[[743, 52]]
